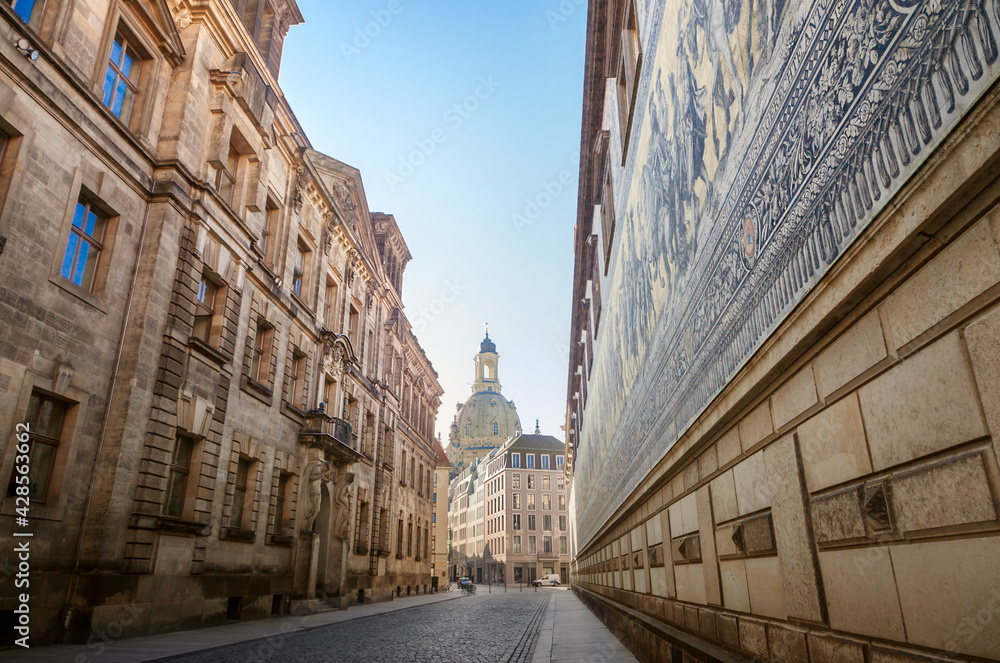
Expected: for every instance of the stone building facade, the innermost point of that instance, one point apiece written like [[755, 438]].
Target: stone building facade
[[486, 420], [202, 325], [782, 417], [510, 511], [440, 543]]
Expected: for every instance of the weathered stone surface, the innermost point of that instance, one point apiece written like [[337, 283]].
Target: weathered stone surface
[[861, 592], [834, 448], [962, 271], [787, 644], [794, 398], [713, 588], [951, 492], [753, 636], [823, 649], [690, 583], [766, 587], [756, 426], [728, 446], [724, 497], [791, 531], [860, 348], [961, 580], [927, 403], [735, 593], [837, 517], [983, 340], [750, 480], [729, 630], [886, 654]]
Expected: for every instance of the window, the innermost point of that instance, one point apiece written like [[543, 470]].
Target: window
[[409, 540], [296, 387], [260, 358], [546, 482], [237, 517], [204, 311], [468, 430], [562, 524], [561, 482], [399, 537], [515, 461], [225, 177], [545, 462], [531, 482], [531, 545], [122, 77], [515, 481], [270, 227], [433, 517], [24, 8], [282, 521], [607, 220], [628, 75], [330, 305], [546, 544], [45, 423], [516, 544], [563, 546], [562, 502], [299, 272], [560, 461], [529, 461], [83, 250], [515, 523], [496, 428], [402, 470], [547, 523], [546, 502], [177, 477], [531, 522], [516, 504], [354, 321], [531, 501]]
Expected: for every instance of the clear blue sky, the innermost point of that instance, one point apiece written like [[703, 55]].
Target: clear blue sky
[[463, 118]]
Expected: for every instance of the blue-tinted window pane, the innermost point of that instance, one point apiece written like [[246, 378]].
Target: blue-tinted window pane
[[81, 211], [91, 222], [24, 9], [127, 63], [67, 266], [116, 107], [116, 51], [81, 264], [109, 85]]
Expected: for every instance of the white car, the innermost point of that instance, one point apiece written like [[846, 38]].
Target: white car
[[547, 579]]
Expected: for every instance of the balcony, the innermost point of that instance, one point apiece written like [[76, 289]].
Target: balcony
[[330, 434]]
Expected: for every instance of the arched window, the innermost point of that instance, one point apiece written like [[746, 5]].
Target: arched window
[[468, 429], [496, 428]]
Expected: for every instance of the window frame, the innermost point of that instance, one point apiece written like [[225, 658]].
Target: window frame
[[242, 494], [88, 207], [177, 470], [35, 438], [138, 66]]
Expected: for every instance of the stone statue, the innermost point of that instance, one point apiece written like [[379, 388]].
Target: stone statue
[[342, 506], [316, 472]]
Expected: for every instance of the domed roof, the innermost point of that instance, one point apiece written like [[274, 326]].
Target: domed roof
[[487, 345], [476, 417]]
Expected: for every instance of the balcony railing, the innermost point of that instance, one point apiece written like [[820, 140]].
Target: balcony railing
[[330, 434]]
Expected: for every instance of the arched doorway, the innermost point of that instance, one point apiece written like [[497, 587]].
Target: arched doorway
[[324, 525]]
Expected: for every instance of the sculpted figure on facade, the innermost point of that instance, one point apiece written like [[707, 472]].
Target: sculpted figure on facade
[[342, 504], [317, 472]]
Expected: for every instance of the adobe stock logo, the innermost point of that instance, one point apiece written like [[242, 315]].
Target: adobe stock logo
[[454, 118], [363, 35]]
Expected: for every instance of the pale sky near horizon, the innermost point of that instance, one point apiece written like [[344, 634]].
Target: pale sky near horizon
[[464, 120]]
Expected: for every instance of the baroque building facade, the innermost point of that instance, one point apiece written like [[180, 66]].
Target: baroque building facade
[[228, 410], [486, 420], [782, 403]]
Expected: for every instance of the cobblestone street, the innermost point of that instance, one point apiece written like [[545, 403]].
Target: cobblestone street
[[485, 627]]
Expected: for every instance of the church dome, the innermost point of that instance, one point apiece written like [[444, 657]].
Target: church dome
[[488, 415]]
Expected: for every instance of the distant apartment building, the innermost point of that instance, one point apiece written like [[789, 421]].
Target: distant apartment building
[[511, 513], [439, 520]]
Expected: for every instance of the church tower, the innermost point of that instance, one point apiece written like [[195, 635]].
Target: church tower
[[486, 420]]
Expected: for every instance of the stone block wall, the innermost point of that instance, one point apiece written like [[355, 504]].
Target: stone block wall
[[841, 501]]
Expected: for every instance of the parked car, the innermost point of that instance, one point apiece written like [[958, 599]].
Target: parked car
[[462, 582], [547, 579]]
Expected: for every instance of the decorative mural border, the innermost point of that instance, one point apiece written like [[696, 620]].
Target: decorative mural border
[[878, 84]]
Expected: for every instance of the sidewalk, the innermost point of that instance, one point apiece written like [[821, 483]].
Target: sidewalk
[[570, 632], [155, 647]]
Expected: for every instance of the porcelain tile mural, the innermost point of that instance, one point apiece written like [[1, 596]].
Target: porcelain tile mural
[[767, 135]]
